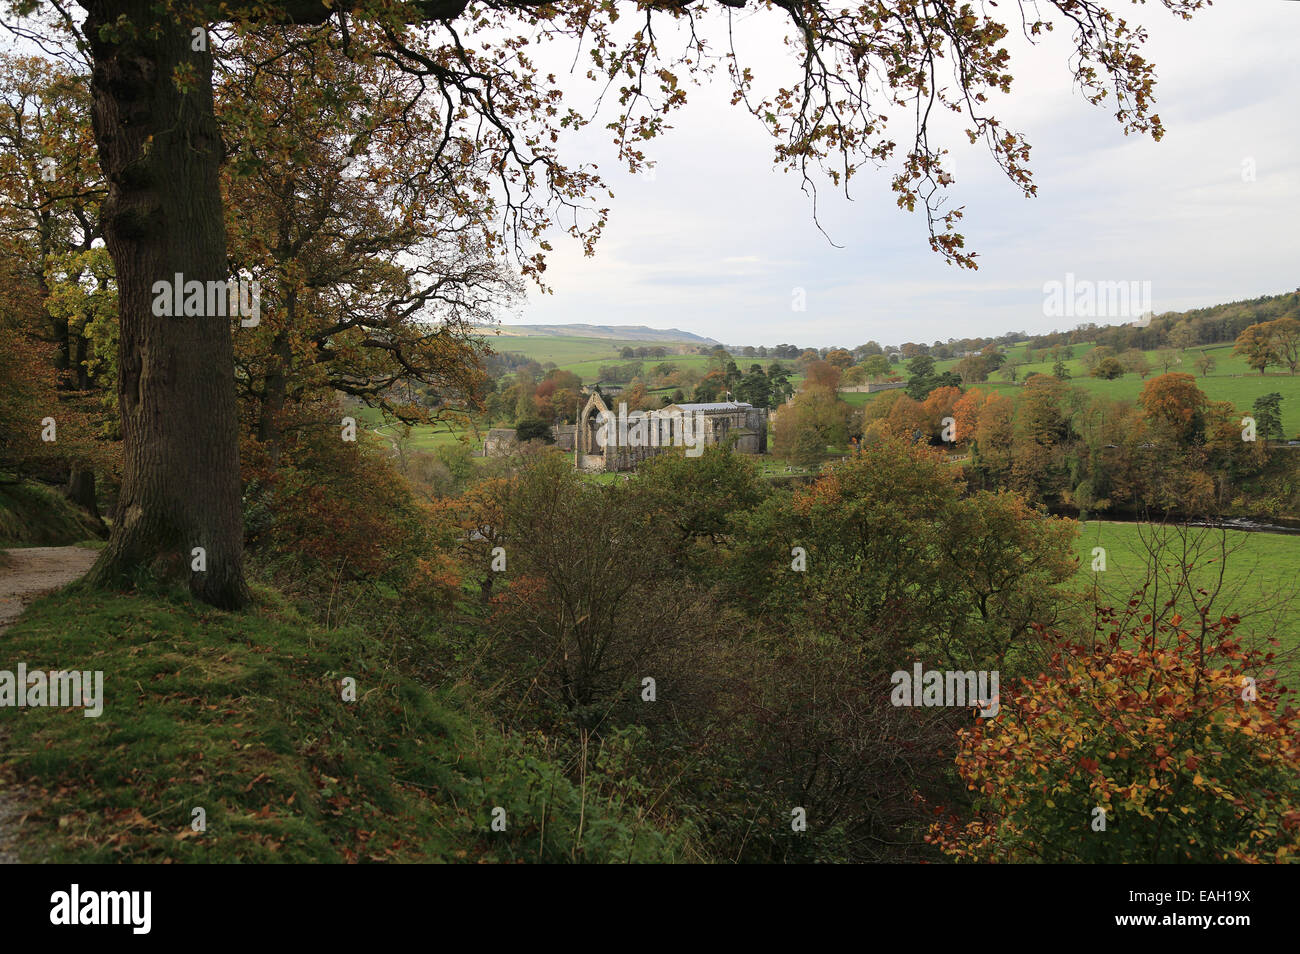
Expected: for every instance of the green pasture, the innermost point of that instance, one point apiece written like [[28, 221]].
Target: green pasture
[[566, 351], [1231, 380], [589, 371], [1256, 574], [422, 438]]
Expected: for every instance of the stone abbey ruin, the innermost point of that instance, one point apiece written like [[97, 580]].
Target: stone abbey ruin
[[734, 424]]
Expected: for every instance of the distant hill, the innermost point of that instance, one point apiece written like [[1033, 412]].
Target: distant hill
[[614, 332]]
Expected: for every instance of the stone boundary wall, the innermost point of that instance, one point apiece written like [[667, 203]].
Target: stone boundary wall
[[873, 388]]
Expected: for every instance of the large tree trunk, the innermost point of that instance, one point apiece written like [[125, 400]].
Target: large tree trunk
[[160, 150]]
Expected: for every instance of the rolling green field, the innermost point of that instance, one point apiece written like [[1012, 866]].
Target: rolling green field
[[566, 351], [1231, 380], [589, 371], [585, 356], [1256, 574]]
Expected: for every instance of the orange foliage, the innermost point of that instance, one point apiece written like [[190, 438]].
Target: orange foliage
[[940, 403], [1174, 405], [1178, 738], [340, 511]]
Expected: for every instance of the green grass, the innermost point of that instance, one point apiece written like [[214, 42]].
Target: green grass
[[33, 515], [589, 370], [242, 715], [1231, 380], [606, 477], [585, 356], [566, 351], [858, 398], [426, 438], [1260, 574]]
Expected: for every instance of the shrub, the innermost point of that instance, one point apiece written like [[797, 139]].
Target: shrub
[[1183, 741]]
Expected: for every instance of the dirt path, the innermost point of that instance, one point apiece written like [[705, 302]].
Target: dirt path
[[35, 571], [26, 574]]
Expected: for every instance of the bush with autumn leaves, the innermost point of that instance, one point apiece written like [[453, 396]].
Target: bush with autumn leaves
[[335, 524], [1182, 738]]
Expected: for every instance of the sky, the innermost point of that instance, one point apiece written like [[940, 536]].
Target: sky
[[718, 243]]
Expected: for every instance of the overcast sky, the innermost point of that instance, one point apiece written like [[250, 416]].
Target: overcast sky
[[717, 242]]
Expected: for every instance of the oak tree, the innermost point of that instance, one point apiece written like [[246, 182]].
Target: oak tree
[[856, 70]]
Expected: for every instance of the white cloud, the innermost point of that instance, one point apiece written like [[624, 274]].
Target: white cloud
[[717, 241]]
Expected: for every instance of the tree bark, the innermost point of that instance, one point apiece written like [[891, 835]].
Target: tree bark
[[81, 491], [160, 150]]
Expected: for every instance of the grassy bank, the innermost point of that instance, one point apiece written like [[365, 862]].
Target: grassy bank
[[33, 515], [243, 716]]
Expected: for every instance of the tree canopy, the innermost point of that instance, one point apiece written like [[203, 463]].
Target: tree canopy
[[861, 87]]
